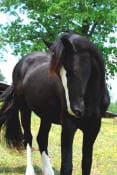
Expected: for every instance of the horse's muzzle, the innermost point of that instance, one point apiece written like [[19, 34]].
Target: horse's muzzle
[[78, 112]]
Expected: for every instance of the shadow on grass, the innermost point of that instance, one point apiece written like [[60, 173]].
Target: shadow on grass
[[21, 170]]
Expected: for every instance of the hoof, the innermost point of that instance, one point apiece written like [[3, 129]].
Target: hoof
[[30, 171], [47, 171]]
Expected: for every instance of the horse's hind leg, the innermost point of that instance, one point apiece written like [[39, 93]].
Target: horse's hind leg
[[26, 123], [42, 140]]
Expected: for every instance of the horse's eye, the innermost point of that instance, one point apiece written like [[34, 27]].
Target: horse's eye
[[69, 73]]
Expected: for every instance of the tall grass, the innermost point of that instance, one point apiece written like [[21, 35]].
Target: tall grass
[[104, 158]]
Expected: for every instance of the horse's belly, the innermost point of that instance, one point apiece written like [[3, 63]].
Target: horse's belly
[[44, 105]]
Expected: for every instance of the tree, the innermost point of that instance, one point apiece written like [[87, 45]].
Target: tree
[[94, 19], [2, 44], [2, 78]]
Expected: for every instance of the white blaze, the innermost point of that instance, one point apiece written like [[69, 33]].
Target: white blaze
[[29, 168], [64, 82], [46, 166]]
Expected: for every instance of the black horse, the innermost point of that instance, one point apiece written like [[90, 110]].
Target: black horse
[[64, 86], [3, 86]]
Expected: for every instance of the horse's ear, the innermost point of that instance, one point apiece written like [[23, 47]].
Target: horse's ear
[[47, 43], [61, 47], [68, 45]]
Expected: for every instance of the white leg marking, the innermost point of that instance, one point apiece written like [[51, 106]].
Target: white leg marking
[[64, 82], [46, 166], [29, 168]]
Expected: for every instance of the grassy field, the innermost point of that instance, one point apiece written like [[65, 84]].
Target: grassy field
[[104, 158], [113, 107]]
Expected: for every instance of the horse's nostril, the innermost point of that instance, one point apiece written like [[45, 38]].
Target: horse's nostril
[[77, 112]]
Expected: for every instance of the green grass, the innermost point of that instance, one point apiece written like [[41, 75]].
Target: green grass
[[104, 157], [113, 107]]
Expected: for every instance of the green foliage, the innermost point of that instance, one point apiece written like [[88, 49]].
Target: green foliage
[[2, 78], [3, 42], [113, 107], [48, 18]]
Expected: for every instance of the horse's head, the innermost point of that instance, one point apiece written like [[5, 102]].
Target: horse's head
[[72, 62]]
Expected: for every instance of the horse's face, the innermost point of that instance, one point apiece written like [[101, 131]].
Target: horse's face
[[75, 70]]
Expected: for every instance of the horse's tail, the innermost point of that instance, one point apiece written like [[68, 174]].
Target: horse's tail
[[9, 117]]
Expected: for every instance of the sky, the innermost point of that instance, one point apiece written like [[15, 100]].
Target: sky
[[7, 67]]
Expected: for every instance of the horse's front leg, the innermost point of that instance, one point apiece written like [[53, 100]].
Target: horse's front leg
[[68, 131], [42, 140], [89, 135]]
